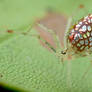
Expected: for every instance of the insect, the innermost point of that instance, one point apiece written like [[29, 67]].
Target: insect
[[77, 40], [79, 36]]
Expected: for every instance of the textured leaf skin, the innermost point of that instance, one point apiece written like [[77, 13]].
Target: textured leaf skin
[[26, 64], [23, 64]]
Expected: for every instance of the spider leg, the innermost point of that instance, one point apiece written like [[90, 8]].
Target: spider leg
[[69, 24], [55, 37], [57, 50], [68, 82], [17, 31], [67, 32], [66, 50], [28, 33]]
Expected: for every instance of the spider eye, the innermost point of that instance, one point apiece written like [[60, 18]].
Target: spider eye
[[80, 35]]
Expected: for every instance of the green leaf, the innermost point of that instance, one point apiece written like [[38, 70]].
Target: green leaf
[[25, 64]]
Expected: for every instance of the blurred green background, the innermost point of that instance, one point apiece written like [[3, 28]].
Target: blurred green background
[[15, 14], [25, 64]]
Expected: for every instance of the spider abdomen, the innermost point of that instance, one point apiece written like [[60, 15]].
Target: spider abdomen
[[80, 36]]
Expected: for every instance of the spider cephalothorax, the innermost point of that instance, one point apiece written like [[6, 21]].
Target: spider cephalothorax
[[80, 36]]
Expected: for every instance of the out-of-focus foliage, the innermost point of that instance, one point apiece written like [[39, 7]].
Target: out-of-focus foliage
[[25, 63]]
